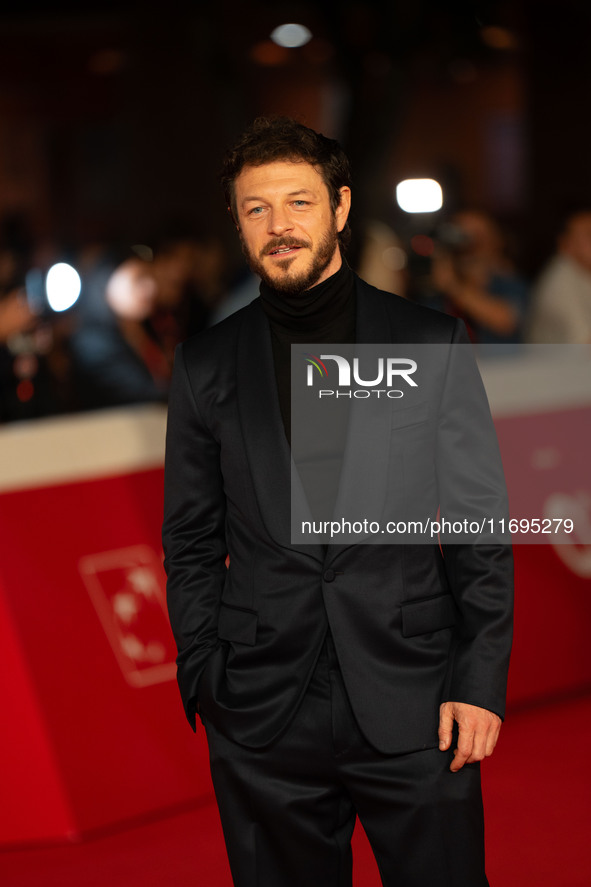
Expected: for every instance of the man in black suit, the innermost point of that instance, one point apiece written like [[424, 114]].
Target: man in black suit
[[332, 680]]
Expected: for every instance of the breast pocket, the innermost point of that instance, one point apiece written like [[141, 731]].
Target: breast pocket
[[407, 416]]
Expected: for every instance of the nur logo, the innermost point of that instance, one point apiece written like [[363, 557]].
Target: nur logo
[[315, 362], [387, 371]]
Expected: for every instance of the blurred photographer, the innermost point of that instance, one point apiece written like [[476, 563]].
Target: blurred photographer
[[34, 363], [117, 356], [476, 280], [561, 303], [15, 315]]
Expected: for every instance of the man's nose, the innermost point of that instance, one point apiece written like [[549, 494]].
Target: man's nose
[[279, 221]]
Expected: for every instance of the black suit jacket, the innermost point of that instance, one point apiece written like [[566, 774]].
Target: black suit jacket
[[412, 625]]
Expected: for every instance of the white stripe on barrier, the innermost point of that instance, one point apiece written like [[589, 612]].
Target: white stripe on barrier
[[84, 446]]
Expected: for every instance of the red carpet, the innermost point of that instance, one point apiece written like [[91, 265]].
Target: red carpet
[[537, 797]]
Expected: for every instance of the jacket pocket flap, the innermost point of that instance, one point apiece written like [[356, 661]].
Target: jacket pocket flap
[[432, 614], [237, 625], [401, 416]]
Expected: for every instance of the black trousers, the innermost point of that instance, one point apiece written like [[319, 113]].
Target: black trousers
[[288, 811]]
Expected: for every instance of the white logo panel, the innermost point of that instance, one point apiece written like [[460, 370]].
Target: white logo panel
[[127, 590]]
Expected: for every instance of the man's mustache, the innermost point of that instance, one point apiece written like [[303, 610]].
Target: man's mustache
[[278, 242]]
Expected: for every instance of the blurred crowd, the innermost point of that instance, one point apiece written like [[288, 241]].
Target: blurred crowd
[[115, 345]]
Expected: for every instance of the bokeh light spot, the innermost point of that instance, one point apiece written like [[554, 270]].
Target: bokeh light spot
[[62, 286], [419, 195], [422, 245], [291, 35]]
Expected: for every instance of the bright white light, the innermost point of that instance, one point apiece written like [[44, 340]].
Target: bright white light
[[291, 35], [419, 195], [62, 286]]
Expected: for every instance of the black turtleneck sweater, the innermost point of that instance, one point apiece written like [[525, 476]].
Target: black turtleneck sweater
[[323, 314]]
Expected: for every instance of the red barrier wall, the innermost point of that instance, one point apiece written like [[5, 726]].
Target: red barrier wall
[[93, 728], [546, 457]]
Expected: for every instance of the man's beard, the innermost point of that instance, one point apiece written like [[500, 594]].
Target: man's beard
[[298, 282]]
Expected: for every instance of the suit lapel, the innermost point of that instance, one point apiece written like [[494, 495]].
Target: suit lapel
[[369, 424], [266, 446], [372, 321]]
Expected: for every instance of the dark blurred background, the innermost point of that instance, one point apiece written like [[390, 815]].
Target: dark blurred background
[[114, 118]]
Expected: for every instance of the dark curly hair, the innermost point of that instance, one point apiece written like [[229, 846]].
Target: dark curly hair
[[269, 139]]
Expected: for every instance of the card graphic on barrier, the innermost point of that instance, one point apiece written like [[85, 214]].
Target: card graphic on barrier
[[126, 588]]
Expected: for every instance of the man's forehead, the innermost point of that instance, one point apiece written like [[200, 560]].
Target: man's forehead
[[296, 174]]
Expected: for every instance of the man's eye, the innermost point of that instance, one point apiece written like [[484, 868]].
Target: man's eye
[[300, 203], [255, 211]]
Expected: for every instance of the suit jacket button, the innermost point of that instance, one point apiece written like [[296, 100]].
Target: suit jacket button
[[329, 575]]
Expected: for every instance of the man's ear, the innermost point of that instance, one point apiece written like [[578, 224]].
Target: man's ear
[[342, 210], [233, 217]]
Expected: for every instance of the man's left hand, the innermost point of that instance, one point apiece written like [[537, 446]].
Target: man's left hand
[[478, 732]]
